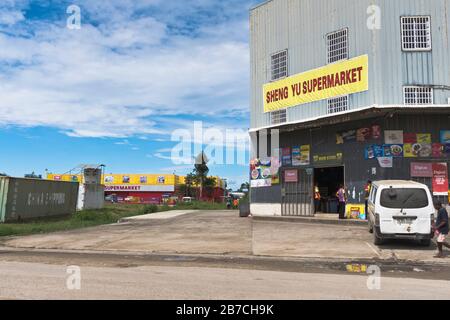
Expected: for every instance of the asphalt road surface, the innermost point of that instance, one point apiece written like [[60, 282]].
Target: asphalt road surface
[[24, 280]]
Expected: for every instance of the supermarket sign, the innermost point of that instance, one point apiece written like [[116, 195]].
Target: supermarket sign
[[334, 80], [138, 188]]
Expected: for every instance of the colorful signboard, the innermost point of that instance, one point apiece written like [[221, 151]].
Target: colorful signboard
[[440, 179], [386, 162], [286, 157], [393, 137], [445, 136], [291, 176], [301, 156], [421, 170], [355, 211], [335, 158], [260, 173], [138, 188], [337, 79]]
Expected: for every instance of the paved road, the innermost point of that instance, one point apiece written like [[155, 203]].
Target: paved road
[[20, 280]]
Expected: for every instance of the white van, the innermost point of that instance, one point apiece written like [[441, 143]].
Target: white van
[[400, 210]]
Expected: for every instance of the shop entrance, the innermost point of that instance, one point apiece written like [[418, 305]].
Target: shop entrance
[[328, 181]]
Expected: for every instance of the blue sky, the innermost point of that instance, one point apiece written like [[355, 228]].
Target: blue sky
[[114, 91]]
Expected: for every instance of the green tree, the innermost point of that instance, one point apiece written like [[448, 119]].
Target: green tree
[[209, 184], [201, 171]]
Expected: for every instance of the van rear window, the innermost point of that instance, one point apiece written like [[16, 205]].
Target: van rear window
[[408, 198]]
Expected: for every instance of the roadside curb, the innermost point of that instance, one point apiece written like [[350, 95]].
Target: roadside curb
[[230, 258], [311, 220]]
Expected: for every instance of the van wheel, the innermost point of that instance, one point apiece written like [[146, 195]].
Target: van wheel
[[425, 242], [377, 240]]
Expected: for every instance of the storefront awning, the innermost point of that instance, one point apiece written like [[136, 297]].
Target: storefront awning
[[352, 115]]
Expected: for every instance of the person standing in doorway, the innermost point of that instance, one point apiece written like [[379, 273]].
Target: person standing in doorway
[[342, 197], [317, 198], [441, 228]]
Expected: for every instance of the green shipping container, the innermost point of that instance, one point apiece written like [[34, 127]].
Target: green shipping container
[[25, 199]]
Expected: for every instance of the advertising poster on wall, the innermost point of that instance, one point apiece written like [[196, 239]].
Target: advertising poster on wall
[[301, 156], [445, 137], [286, 157], [438, 150], [421, 170], [291, 176], [393, 137], [386, 162], [424, 138], [260, 174], [275, 166], [393, 150], [440, 179], [374, 151], [363, 134], [376, 132]]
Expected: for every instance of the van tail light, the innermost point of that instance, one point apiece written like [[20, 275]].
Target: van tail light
[[377, 219], [432, 219]]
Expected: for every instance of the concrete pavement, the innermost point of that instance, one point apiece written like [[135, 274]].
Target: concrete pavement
[[41, 281], [224, 233]]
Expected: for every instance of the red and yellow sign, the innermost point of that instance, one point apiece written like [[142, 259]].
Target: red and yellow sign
[[334, 80]]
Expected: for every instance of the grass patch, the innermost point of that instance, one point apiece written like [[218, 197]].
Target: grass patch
[[83, 219], [91, 218]]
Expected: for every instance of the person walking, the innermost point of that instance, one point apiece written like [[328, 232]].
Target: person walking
[[441, 228], [342, 197]]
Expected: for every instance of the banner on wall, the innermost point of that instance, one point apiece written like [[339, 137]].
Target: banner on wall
[[260, 173], [445, 136], [301, 156], [393, 137], [386, 162], [421, 170], [291, 176], [440, 179], [286, 157], [334, 80]]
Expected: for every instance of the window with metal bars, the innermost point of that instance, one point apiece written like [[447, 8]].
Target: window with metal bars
[[336, 105], [279, 116], [337, 43], [416, 33], [418, 95], [279, 65]]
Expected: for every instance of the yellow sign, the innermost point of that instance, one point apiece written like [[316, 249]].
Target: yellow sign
[[338, 79]]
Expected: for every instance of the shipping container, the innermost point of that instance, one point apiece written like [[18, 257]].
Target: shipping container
[[25, 199]]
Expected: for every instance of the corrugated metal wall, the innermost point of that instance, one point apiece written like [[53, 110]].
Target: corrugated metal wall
[[301, 27], [357, 169]]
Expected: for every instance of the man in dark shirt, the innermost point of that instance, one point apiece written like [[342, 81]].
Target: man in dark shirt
[[441, 228]]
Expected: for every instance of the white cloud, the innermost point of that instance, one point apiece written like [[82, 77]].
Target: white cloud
[[10, 18], [114, 78]]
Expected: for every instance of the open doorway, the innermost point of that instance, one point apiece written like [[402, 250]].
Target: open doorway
[[327, 181]]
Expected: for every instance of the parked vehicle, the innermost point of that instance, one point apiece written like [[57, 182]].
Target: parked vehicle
[[400, 210], [187, 200]]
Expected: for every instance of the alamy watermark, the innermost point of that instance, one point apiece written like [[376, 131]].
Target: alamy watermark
[[221, 146], [73, 281], [74, 20]]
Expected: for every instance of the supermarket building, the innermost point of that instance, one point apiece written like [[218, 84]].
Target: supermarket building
[[343, 92], [143, 188]]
